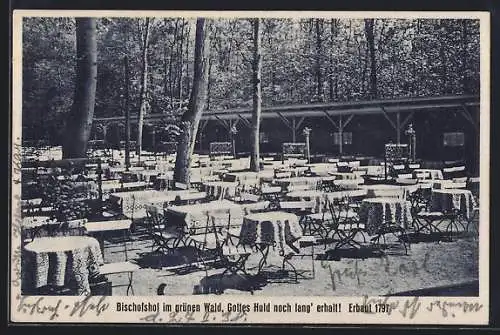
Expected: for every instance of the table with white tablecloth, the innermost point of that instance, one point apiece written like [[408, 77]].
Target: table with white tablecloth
[[345, 175], [446, 200], [134, 203], [377, 212], [220, 189], [322, 169], [62, 261], [195, 216], [385, 190], [426, 174], [301, 183], [280, 230]]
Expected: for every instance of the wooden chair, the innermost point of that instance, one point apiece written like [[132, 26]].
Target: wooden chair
[[162, 240], [314, 225], [455, 172], [124, 267], [306, 241], [344, 226], [300, 208], [227, 247], [180, 186]]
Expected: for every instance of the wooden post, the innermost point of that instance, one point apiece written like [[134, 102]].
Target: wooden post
[[127, 117], [99, 181], [398, 128], [385, 166], [341, 135], [307, 133], [153, 140]]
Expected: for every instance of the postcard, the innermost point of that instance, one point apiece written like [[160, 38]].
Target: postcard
[[232, 167]]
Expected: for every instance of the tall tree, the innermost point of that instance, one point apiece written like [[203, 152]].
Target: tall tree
[[319, 56], [197, 101], [144, 87], [257, 96], [369, 23], [332, 65], [463, 68], [181, 66], [79, 120]]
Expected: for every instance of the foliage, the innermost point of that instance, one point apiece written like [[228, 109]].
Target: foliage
[[67, 195], [417, 57]]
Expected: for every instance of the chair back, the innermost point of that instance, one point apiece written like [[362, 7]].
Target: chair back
[[452, 172], [413, 166], [294, 206], [249, 197], [405, 176], [128, 206], [181, 186]]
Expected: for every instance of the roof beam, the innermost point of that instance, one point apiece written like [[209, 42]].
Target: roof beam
[[297, 126], [235, 123], [203, 125], [245, 121], [347, 121], [223, 123], [285, 120], [405, 121], [466, 114], [384, 112], [329, 117]]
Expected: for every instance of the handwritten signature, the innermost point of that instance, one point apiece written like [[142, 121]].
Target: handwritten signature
[[354, 271], [39, 306], [16, 267], [178, 317]]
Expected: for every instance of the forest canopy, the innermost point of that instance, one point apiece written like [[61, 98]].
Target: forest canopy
[[303, 61]]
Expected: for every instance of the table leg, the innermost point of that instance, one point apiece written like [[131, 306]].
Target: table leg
[[263, 261]]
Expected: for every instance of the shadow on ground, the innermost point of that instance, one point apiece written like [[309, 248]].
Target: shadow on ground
[[465, 290]]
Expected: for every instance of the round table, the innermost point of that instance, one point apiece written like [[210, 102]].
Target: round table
[[35, 221], [276, 229], [446, 200], [220, 189], [345, 175], [376, 212], [425, 174], [63, 260]]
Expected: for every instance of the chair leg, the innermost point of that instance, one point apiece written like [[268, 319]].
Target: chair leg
[[130, 286]]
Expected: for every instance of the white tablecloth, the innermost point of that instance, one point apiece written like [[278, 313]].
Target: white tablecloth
[[61, 260]]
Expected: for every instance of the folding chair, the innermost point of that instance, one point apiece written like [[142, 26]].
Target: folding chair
[[230, 253], [304, 242], [454, 172], [124, 267], [164, 241], [301, 208], [344, 224], [473, 186]]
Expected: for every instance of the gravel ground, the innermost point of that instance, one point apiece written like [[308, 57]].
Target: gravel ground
[[427, 265]]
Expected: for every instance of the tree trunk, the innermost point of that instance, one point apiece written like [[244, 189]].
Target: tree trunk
[[170, 76], [127, 114], [332, 72], [144, 88], [181, 66], [319, 55], [191, 118], [79, 120], [373, 65], [442, 56], [257, 96], [165, 63], [465, 86], [187, 60]]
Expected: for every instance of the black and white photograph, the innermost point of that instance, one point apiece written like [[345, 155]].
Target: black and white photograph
[[251, 156]]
